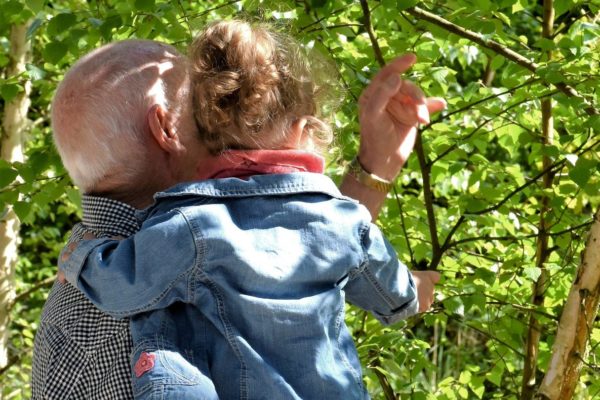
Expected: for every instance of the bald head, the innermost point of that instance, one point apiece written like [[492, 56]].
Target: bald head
[[99, 111]]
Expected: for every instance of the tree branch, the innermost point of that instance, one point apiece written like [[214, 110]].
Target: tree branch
[[428, 196], [23, 295], [338, 26], [413, 262], [533, 180], [516, 238], [469, 106], [372, 37], [383, 381], [12, 360], [486, 334], [497, 48], [319, 19]]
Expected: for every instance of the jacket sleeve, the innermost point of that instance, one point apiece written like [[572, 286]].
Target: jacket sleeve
[[382, 284], [146, 271]]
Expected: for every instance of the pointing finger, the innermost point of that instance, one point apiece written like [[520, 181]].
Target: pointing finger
[[375, 103], [435, 104], [396, 66]]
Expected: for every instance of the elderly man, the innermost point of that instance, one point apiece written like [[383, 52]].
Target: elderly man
[[123, 125]]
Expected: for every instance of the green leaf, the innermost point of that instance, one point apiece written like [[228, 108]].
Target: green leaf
[[486, 275], [563, 6], [582, 171], [33, 28], [482, 4], [476, 385], [404, 4], [495, 375], [145, 5], [487, 27], [593, 122], [516, 7], [61, 23], [110, 23], [317, 3], [7, 174], [533, 273], [454, 305], [497, 62], [502, 17], [22, 209], [9, 91], [35, 73], [35, 5], [545, 44], [567, 44], [12, 8], [54, 52], [465, 377]]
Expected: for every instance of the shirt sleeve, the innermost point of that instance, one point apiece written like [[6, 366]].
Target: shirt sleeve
[[146, 271], [382, 284]]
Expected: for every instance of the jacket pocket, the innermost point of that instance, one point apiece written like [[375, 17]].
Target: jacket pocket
[[157, 369]]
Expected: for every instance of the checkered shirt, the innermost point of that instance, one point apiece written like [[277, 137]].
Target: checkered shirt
[[79, 352]]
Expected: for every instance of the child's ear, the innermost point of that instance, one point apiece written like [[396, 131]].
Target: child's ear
[[162, 130], [300, 134]]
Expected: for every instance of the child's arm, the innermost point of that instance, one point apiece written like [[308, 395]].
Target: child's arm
[[146, 271], [382, 285]]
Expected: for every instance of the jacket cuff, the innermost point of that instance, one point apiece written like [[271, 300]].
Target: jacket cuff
[[406, 310], [72, 264]]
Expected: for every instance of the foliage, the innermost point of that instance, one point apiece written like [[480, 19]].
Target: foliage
[[468, 207]]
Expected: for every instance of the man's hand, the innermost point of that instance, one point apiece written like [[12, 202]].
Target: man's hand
[[390, 109], [425, 282]]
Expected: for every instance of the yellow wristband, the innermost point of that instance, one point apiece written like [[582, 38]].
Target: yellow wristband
[[368, 179]]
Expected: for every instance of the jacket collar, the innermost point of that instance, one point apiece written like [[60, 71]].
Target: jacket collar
[[259, 185]]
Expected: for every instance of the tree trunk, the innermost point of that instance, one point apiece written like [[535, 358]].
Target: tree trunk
[[14, 124], [532, 344], [570, 345]]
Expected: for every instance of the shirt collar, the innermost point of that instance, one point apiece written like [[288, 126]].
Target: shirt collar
[[110, 216]]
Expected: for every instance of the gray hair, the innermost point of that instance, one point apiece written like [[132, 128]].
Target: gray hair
[[100, 107]]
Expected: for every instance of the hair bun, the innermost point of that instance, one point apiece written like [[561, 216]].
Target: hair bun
[[244, 85]]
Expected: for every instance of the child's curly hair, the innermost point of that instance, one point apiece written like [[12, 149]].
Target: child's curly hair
[[250, 83]]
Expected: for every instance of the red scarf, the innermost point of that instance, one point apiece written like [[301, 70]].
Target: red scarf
[[245, 163]]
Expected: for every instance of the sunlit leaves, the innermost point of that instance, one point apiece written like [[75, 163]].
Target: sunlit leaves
[[485, 163]]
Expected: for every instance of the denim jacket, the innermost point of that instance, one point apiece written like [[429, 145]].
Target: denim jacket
[[268, 262]]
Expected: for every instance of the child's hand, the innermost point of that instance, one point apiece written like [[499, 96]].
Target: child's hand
[[390, 109], [69, 249], [425, 282], [61, 277]]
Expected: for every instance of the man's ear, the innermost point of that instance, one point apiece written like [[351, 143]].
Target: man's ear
[[161, 129]]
